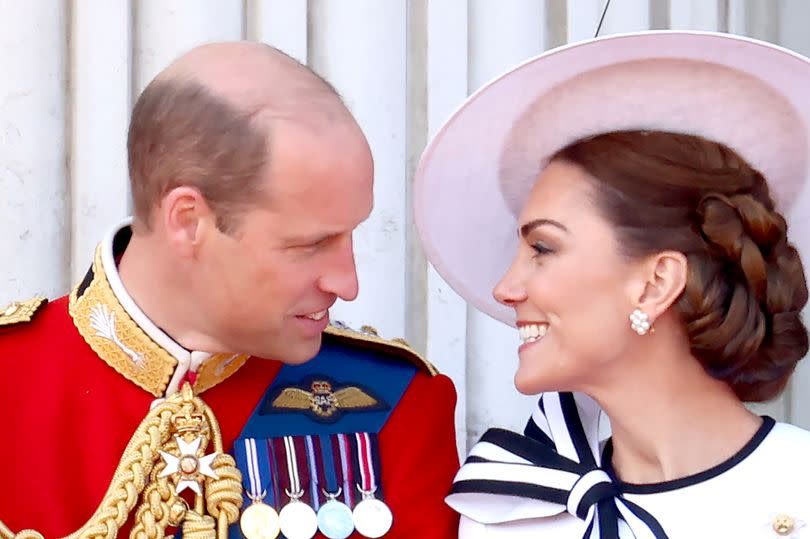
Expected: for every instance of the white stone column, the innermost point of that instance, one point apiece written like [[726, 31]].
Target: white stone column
[[695, 15], [34, 217], [165, 29], [793, 17], [281, 23], [502, 34], [100, 91], [360, 47], [621, 16], [446, 59]]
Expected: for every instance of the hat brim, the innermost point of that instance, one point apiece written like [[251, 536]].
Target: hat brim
[[477, 171]]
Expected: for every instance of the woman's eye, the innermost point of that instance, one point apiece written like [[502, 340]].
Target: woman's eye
[[541, 249]]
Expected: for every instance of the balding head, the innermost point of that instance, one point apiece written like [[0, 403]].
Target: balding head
[[257, 78], [206, 121]]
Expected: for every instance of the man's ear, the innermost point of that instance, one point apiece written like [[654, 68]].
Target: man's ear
[[186, 218]]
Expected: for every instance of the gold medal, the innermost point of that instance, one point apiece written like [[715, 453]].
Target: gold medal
[[259, 521]]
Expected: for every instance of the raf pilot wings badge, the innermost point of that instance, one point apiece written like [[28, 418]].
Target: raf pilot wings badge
[[323, 400]]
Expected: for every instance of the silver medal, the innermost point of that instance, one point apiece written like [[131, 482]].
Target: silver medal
[[372, 518], [335, 518], [298, 520]]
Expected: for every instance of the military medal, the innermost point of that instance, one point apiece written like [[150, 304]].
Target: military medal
[[372, 517], [334, 517], [297, 519], [259, 520]]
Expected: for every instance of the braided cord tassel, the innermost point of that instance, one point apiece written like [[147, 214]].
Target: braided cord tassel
[[181, 415]]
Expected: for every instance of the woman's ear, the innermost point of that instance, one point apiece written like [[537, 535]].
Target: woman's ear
[[662, 280]]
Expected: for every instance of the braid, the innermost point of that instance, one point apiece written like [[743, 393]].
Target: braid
[[744, 295], [745, 286]]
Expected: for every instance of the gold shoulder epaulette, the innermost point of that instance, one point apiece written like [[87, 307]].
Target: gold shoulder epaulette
[[20, 312], [368, 336]]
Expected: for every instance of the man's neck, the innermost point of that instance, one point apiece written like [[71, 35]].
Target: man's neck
[[157, 292]]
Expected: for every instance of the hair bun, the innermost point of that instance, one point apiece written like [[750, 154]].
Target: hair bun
[[745, 288]]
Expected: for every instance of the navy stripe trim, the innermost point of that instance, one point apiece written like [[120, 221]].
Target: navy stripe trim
[[511, 488], [575, 430], [531, 450], [665, 486]]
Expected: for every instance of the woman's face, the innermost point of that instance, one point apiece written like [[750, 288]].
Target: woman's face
[[571, 288]]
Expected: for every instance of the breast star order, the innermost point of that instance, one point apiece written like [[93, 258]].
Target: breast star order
[[188, 466]]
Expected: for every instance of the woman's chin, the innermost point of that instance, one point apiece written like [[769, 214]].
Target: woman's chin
[[533, 382], [528, 384]]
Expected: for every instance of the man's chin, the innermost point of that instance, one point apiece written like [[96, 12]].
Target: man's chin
[[295, 353]]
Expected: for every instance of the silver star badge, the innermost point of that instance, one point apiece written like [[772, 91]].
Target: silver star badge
[[188, 465]]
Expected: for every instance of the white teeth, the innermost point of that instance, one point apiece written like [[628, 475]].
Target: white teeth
[[533, 332], [317, 316]]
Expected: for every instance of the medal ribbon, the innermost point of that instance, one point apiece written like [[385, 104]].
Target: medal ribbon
[[274, 493], [311, 452], [296, 473], [376, 463], [367, 461], [253, 459], [346, 468], [328, 473], [284, 484]]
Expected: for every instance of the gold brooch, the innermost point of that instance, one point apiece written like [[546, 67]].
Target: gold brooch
[[785, 525]]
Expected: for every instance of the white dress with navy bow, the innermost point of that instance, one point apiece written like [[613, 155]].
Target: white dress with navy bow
[[556, 482]]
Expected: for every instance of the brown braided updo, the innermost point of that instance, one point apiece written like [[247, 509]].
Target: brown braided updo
[[745, 286]]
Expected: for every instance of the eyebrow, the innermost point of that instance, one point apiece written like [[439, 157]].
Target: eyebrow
[[526, 229]]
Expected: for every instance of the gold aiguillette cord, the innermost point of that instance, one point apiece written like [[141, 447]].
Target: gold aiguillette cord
[[165, 456]]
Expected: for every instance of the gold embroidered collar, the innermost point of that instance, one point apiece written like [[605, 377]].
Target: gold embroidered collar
[[118, 331]]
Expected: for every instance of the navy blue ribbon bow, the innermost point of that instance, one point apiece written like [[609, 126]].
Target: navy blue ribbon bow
[[555, 467]]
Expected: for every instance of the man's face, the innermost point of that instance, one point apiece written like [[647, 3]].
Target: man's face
[[268, 286]]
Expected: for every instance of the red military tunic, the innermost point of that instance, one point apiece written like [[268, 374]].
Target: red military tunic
[[69, 411]]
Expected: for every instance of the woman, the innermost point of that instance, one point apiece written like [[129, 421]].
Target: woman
[[651, 278]]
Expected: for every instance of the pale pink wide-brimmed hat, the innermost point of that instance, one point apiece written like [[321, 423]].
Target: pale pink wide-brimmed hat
[[476, 173]]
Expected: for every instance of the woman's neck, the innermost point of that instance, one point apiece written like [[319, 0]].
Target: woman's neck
[[669, 418]]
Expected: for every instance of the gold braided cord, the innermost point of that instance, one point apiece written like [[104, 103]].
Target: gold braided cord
[[129, 478], [224, 495], [152, 516], [24, 534], [197, 526], [6, 533], [223, 523], [138, 477]]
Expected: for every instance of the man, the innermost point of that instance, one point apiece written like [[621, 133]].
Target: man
[[248, 177]]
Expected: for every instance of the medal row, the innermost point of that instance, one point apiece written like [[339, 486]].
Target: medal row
[[299, 485]]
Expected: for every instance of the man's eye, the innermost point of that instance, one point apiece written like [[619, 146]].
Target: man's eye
[[314, 244]]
